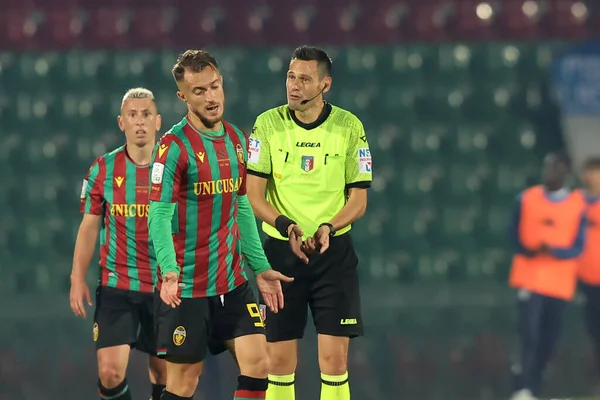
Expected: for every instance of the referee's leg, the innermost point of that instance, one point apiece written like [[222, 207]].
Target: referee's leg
[[287, 326], [335, 305]]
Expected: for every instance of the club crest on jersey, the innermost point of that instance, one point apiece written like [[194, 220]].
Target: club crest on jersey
[[308, 163], [240, 153], [179, 335], [95, 332], [263, 312]]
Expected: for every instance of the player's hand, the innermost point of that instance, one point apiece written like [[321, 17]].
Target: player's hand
[[309, 246], [79, 295], [169, 289], [269, 285], [295, 235], [322, 238]]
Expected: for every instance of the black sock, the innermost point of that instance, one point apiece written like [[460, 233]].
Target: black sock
[[248, 387], [157, 391], [170, 396], [120, 392]]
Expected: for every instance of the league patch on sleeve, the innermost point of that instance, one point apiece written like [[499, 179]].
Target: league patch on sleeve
[[158, 170], [364, 161], [84, 187], [254, 150]]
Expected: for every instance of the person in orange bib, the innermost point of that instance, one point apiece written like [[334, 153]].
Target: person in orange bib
[[548, 234], [589, 262]]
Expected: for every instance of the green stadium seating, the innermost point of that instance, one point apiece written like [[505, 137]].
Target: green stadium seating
[[456, 130]]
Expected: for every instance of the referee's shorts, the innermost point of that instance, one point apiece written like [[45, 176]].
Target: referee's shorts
[[328, 284]]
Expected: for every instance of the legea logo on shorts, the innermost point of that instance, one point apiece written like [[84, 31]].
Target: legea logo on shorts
[[179, 335]]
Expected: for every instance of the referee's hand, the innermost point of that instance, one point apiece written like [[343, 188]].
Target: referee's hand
[[295, 235], [169, 289]]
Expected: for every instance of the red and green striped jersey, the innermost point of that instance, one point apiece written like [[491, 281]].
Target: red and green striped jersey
[[203, 175], [117, 189]]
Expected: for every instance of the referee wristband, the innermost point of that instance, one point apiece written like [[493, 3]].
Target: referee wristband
[[282, 223]]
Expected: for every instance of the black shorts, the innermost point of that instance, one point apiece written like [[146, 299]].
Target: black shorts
[[328, 284], [186, 333], [124, 317]]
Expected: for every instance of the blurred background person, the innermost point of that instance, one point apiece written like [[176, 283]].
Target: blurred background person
[[548, 234], [589, 262]]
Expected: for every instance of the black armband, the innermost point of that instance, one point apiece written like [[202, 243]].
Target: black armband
[[282, 223]]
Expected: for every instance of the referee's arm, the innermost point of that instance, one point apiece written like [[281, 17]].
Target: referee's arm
[[358, 178]]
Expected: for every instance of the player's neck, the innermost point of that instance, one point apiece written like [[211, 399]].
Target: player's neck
[[311, 114], [140, 155], [594, 192], [199, 125]]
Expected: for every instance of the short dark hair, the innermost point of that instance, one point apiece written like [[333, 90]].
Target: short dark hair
[[591, 163], [193, 60], [311, 53], [563, 157]]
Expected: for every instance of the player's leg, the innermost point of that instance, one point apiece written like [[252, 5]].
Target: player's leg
[[550, 329], [115, 329], [237, 323], [529, 311], [335, 305], [592, 316], [146, 343], [182, 339], [285, 328]]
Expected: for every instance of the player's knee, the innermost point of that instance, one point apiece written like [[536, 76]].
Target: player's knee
[[332, 363], [110, 375], [158, 372], [256, 366], [281, 363]]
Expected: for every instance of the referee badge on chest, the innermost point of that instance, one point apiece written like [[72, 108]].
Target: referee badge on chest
[[308, 163]]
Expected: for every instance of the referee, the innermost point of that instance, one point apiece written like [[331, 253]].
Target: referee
[[313, 162]]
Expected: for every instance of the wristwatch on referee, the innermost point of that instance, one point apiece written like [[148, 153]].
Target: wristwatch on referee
[[331, 228]]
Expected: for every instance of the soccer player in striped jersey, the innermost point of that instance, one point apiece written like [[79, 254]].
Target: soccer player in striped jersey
[[205, 233], [114, 201]]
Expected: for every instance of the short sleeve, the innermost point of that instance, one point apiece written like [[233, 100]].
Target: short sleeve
[[92, 189], [259, 154], [169, 165], [359, 166]]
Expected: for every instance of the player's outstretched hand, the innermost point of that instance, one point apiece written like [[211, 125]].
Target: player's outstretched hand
[[269, 285], [169, 289], [295, 235], [79, 295], [322, 238]]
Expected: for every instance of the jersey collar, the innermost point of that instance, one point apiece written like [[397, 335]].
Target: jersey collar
[[316, 123]]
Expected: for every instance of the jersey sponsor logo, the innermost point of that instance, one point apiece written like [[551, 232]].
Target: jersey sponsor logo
[[95, 332], [308, 163], [179, 335], [161, 150], [158, 170], [84, 188], [129, 210], [220, 186], [253, 150], [307, 144], [240, 153], [119, 180], [364, 160], [200, 156]]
